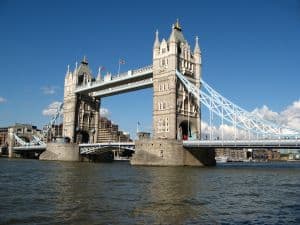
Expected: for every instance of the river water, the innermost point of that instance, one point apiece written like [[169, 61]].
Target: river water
[[41, 192]]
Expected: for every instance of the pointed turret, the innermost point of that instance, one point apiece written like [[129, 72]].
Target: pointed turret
[[76, 67], [177, 25], [156, 42], [176, 35], [197, 48], [68, 69], [156, 45], [99, 74], [84, 60], [172, 36]]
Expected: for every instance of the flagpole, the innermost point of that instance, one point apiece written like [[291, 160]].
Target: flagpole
[[119, 67]]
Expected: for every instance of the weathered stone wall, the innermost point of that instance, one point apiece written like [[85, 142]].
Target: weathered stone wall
[[162, 152], [61, 151]]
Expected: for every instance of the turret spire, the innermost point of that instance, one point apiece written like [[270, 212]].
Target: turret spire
[[84, 61], [99, 73], [68, 69], [176, 35], [156, 42], [177, 25], [197, 48], [76, 65]]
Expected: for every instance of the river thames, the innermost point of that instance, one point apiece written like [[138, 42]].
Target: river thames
[[41, 192]]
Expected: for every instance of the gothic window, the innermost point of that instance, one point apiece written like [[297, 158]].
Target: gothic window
[[85, 106], [92, 120], [85, 120], [163, 50], [178, 49], [167, 125], [163, 62]]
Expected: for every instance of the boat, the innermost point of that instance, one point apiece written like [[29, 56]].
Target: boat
[[221, 159]]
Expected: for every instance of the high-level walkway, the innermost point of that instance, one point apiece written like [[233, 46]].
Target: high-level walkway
[[132, 80]]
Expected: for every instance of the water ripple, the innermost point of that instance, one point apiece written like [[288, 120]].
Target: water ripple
[[86, 193]]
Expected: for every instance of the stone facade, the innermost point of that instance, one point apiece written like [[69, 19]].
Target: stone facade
[[61, 152], [109, 132], [176, 114], [3, 140], [81, 112], [233, 154], [3, 136], [156, 152]]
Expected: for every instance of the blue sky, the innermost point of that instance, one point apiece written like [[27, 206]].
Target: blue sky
[[250, 51]]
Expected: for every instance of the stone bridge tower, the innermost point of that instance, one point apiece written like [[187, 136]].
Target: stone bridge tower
[[176, 114], [81, 112]]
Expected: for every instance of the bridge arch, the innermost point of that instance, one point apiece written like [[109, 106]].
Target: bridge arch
[[187, 130], [82, 136]]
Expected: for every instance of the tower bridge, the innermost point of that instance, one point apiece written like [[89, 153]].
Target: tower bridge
[[178, 94]]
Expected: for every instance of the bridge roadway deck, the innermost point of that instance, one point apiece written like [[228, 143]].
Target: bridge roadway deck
[[274, 144], [254, 144]]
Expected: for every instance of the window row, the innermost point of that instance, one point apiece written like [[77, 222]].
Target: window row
[[163, 125], [163, 86], [162, 105], [187, 65], [164, 62]]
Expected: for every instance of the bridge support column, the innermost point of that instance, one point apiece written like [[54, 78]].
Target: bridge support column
[[61, 152], [11, 143], [156, 152]]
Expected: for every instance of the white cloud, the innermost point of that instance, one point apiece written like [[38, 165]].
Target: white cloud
[[51, 109], [2, 100], [289, 117], [49, 90], [104, 112], [266, 114]]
